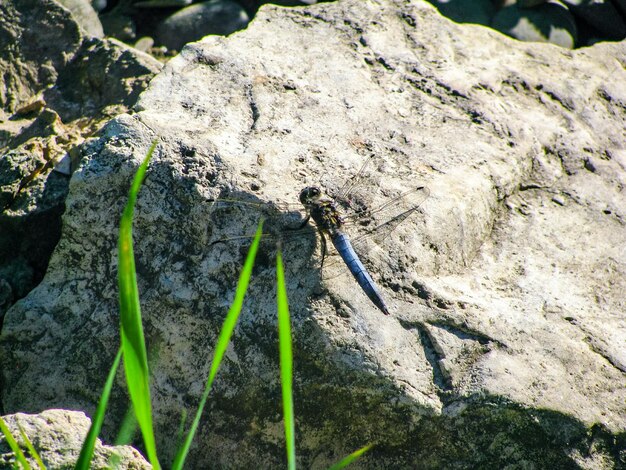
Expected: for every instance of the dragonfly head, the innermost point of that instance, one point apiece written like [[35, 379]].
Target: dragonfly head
[[310, 195]]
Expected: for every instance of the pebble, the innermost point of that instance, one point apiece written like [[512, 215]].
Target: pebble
[[550, 22], [192, 23], [467, 11], [144, 44], [85, 15], [99, 5], [601, 14]]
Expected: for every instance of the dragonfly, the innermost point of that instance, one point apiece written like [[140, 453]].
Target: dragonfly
[[328, 216]]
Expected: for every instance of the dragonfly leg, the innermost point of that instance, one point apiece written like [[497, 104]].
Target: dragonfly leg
[[324, 249], [301, 226], [304, 222]]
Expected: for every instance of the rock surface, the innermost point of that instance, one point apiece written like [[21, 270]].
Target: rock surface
[[505, 346], [57, 436]]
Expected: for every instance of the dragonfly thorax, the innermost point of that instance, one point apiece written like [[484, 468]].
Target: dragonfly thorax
[[323, 211], [326, 216]]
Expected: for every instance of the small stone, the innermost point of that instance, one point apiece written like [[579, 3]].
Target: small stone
[[550, 22], [601, 14], [221, 17], [85, 15], [99, 5], [467, 11], [144, 44]]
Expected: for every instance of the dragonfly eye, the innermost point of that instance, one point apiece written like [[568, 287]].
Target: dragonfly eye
[[309, 194]]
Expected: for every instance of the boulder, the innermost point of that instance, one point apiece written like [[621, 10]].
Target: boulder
[[57, 436], [505, 342]]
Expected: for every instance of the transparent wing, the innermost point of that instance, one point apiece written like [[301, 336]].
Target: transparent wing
[[378, 223], [383, 219], [343, 194], [414, 198], [282, 220], [271, 207]]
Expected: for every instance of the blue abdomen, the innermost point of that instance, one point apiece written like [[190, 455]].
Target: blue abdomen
[[349, 256]]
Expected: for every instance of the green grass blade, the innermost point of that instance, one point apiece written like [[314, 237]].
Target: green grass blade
[[286, 361], [31, 448], [351, 458], [127, 428], [19, 455], [133, 344], [86, 452], [222, 343], [180, 434]]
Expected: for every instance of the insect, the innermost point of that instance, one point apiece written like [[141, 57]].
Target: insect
[[331, 222]]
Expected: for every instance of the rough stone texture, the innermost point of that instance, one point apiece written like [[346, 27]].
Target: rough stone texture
[[505, 346], [57, 436], [60, 87]]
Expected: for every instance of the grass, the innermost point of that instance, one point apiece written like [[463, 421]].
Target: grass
[[31, 448], [222, 343], [131, 331], [133, 352], [19, 455], [86, 452], [286, 361], [351, 458]]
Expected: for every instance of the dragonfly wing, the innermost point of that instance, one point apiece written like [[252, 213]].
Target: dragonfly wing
[[392, 213], [282, 221], [379, 223], [271, 207], [345, 193], [350, 184]]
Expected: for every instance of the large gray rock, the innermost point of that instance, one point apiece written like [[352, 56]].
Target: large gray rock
[[57, 436], [505, 346]]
